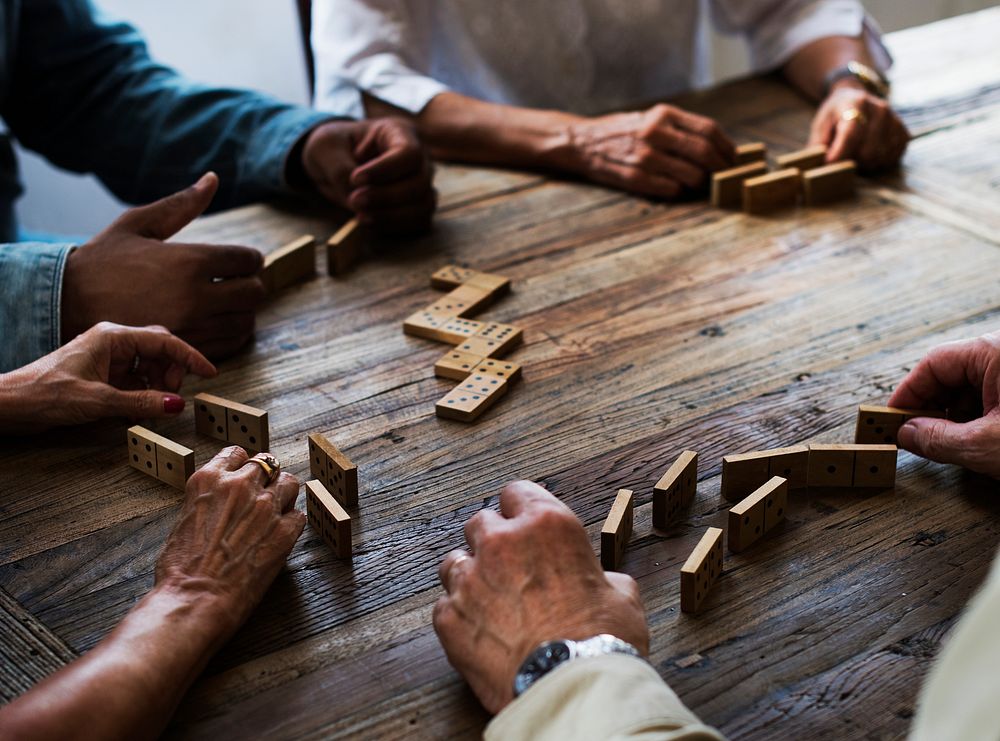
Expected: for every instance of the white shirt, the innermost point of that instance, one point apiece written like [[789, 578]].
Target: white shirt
[[583, 56]]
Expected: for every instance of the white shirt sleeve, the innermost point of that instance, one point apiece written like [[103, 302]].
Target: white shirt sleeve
[[776, 29], [371, 46], [606, 698]]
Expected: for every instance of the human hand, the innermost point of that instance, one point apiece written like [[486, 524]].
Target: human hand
[[957, 372], [376, 168], [126, 274], [232, 538], [92, 377], [658, 152], [532, 577], [871, 133]]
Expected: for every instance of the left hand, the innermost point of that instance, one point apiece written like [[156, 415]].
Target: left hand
[[874, 136], [92, 377], [376, 168]]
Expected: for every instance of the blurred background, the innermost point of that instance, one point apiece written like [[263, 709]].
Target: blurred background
[[257, 43]]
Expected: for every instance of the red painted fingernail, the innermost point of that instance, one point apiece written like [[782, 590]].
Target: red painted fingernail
[[173, 404]]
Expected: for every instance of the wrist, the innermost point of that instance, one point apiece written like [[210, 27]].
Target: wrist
[[555, 142], [197, 619], [17, 403], [552, 654]]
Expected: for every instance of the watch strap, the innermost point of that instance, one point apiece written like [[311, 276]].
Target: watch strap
[[551, 654], [871, 79]]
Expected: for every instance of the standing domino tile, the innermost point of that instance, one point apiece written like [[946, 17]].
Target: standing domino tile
[[159, 457], [743, 473], [760, 512], [791, 464], [828, 183], [616, 531], [804, 159], [880, 425], [675, 489], [765, 193], [344, 248], [333, 469], [289, 264], [831, 465], [467, 401], [875, 466], [329, 519], [751, 153], [727, 185], [232, 422], [701, 570]]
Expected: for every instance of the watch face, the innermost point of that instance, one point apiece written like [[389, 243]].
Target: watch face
[[542, 659]]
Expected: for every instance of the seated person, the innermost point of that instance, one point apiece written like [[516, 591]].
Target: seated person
[[530, 577], [216, 565], [82, 91], [528, 84]]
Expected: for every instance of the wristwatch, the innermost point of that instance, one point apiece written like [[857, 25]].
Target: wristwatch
[[872, 80], [551, 654]]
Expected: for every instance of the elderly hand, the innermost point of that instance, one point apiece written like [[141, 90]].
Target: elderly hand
[[659, 152], [951, 374], [376, 168], [108, 371], [854, 124], [531, 577]]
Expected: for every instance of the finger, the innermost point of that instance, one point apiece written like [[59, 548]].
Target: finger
[[410, 220], [286, 489], [290, 528], [414, 189], [955, 365], [847, 139], [871, 151], [822, 130], [235, 295], [227, 460], [697, 150], [140, 404], [481, 523], [676, 168], [624, 584], [156, 345], [167, 216], [400, 156], [969, 444], [708, 129], [211, 261], [635, 180], [523, 497], [453, 566]]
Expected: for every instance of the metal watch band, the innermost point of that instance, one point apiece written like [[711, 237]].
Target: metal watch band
[[870, 78], [551, 654]]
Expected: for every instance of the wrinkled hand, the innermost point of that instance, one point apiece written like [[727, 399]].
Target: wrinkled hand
[[951, 376], [876, 138], [126, 274], [659, 152], [92, 378], [532, 577], [376, 168], [232, 538]]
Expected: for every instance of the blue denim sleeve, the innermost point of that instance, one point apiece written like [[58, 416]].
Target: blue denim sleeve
[[31, 276], [86, 95]]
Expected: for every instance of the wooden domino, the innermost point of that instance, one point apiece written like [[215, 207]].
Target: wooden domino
[[766, 193], [880, 425], [831, 465], [675, 489], [744, 473], [290, 264], [328, 518], [757, 514], [506, 369], [456, 365], [701, 570], [333, 469], [804, 159], [507, 336], [451, 276], [462, 301], [791, 463], [159, 457], [727, 185], [751, 153], [458, 329], [232, 422], [875, 466], [473, 396], [345, 247], [441, 327], [828, 183], [617, 530]]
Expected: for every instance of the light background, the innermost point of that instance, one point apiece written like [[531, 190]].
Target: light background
[[256, 43]]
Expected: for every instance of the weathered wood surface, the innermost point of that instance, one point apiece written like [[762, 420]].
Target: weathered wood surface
[[650, 328]]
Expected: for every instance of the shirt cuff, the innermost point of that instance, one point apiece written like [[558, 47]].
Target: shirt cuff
[[274, 141], [600, 698], [775, 41], [31, 274], [382, 77]]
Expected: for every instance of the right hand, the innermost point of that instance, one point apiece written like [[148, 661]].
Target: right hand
[[659, 152], [950, 374], [531, 577], [232, 538], [126, 274]]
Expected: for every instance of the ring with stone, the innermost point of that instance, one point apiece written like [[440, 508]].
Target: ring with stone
[[268, 464]]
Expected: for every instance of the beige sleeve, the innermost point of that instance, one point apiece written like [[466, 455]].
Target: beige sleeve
[[959, 699], [602, 698]]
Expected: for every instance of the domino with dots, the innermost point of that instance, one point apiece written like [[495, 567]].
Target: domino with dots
[[231, 422], [329, 519], [617, 530], [675, 489], [333, 469], [701, 570], [159, 457]]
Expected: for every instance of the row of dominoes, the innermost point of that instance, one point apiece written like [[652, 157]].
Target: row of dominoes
[[473, 361], [758, 191], [296, 261]]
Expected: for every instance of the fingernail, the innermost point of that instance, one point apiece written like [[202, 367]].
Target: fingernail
[[173, 404], [906, 435], [361, 199]]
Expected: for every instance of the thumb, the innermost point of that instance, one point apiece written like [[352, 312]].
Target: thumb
[[146, 404], [945, 441], [162, 219]]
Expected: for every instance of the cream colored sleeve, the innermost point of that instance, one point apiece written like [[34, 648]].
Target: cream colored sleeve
[[602, 698], [960, 699]]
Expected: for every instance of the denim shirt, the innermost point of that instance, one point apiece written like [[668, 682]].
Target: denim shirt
[[81, 90]]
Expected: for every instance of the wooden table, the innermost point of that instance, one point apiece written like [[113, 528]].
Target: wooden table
[[650, 328]]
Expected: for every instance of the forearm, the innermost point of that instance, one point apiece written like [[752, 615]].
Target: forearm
[[457, 127], [128, 686], [808, 68]]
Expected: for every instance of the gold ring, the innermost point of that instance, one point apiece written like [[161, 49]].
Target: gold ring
[[269, 465], [852, 114]]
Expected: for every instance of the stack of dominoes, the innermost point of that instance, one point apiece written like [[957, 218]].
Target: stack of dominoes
[[758, 191], [477, 345]]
